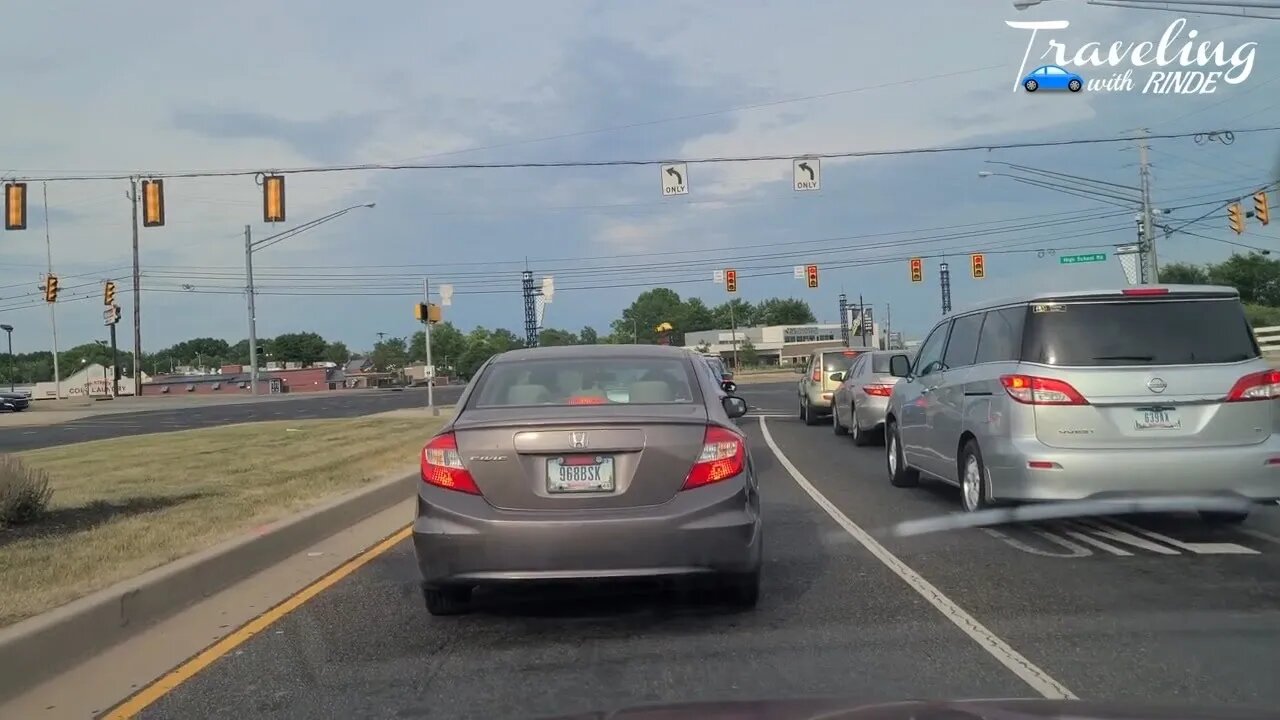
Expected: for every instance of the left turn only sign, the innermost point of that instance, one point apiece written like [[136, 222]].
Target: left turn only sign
[[675, 179]]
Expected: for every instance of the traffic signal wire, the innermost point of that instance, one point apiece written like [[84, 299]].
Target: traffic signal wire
[[708, 160]]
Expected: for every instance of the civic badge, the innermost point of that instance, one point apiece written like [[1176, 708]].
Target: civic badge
[[1156, 385], [577, 439]]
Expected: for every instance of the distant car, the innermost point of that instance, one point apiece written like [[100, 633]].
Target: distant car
[[859, 403], [1052, 77], [823, 372], [586, 462], [1091, 395], [14, 401]]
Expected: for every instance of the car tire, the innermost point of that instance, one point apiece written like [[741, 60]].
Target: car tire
[[1074, 86], [807, 413], [973, 479], [1222, 518], [447, 600], [861, 437], [1031, 85], [899, 474], [836, 427], [741, 591]]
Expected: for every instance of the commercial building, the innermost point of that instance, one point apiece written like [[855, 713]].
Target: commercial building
[[778, 344]]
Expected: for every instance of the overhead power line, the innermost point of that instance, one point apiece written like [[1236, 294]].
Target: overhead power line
[[720, 159]]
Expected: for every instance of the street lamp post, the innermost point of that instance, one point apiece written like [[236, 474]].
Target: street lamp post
[[8, 329], [251, 246]]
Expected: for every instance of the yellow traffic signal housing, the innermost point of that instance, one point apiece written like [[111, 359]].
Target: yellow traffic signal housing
[[420, 312], [811, 275], [109, 293], [152, 203], [1235, 218], [51, 288], [1261, 209], [273, 198], [424, 312], [731, 280], [433, 313], [917, 270], [978, 266], [15, 206]]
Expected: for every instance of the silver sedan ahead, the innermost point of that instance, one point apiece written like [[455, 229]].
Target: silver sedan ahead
[[859, 403]]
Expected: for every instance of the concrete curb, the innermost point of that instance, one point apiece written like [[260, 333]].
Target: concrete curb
[[41, 647]]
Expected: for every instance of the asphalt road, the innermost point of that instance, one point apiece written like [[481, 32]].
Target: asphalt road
[[108, 425], [1158, 610]]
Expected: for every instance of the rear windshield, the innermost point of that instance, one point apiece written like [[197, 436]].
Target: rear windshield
[[1177, 332], [839, 361], [880, 364], [601, 381]]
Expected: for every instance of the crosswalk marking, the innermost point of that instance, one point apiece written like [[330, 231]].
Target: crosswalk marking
[[1080, 537]]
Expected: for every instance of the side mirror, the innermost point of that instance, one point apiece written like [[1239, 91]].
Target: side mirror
[[728, 386], [837, 376], [900, 366], [734, 406]]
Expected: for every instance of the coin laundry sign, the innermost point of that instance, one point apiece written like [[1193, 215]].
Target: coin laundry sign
[[1195, 66]]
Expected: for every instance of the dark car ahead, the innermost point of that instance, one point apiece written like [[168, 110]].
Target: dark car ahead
[[11, 401], [587, 462]]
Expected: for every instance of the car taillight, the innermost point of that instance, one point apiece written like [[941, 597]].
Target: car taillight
[[1031, 390], [878, 390], [817, 375], [1263, 385], [724, 455], [442, 466]]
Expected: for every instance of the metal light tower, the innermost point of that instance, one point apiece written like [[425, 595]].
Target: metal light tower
[[844, 319], [944, 279]]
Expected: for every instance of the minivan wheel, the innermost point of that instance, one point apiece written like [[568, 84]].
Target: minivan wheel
[[1223, 518], [973, 474], [899, 474]]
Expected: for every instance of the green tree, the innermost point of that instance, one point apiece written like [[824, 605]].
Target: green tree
[[1184, 274], [747, 354], [337, 352], [552, 337], [303, 347], [390, 354], [1256, 276], [447, 345], [736, 311], [650, 308], [588, 336], [783, 311]]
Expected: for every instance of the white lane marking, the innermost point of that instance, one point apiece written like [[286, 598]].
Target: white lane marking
[[1260, 535], [1114, 533], [1038, 679], [1073, 550], [1202, 548], [1086, 538]]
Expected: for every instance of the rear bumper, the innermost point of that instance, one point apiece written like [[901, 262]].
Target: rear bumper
[[1097, 474], [462, 539], [820, 399]]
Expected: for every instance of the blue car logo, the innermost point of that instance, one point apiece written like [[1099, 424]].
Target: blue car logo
[[1052, 77]]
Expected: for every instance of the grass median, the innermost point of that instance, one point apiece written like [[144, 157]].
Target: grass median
[[126, 505]]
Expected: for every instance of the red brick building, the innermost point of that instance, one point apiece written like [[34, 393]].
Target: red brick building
[[238, 383]]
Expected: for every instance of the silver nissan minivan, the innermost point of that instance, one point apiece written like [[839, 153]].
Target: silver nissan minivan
[[1145, 391]]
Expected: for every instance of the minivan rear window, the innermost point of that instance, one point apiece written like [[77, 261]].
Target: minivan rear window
[[839, 361], [1166, 332]]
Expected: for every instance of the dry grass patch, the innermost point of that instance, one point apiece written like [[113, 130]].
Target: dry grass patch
[[123, 506]]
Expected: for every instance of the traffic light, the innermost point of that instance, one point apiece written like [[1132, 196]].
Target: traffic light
[[15, 206], [917, 270], [811, 275], [152, 203], [109, 293], [978, 266], [731, 280], [1235, 218], [1260, 208], [51, 288], [433, 313], [420, 312], [273, 198]]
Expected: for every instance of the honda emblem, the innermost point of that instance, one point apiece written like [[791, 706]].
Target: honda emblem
[[578, 439]]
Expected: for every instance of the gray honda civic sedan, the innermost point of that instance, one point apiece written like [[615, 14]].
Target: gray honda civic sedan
[[589, 462]]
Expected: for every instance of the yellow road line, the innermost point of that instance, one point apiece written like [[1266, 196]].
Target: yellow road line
[[148, 695]]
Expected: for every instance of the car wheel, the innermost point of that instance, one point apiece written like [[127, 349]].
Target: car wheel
[[836, 427], [447, 600], [1074, 86], [973, 478], [1031, 85], [899, 474], [810, 417], [1223, 518], [742, 592], [860, 437]]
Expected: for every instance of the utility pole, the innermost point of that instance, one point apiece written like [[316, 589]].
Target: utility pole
[[733, 329], [944, 280], [431, 369], [137, 295], [844, 319], [862, 321], [888, 326], [53, 314], [1148, 232], [253, 316]]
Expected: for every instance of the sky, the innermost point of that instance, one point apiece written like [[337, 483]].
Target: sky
[[136, 88]]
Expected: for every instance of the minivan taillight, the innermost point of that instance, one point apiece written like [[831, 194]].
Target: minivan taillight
[[817, 375], [1263, 385], [442, 466], [723, 456], [1032, 390]]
